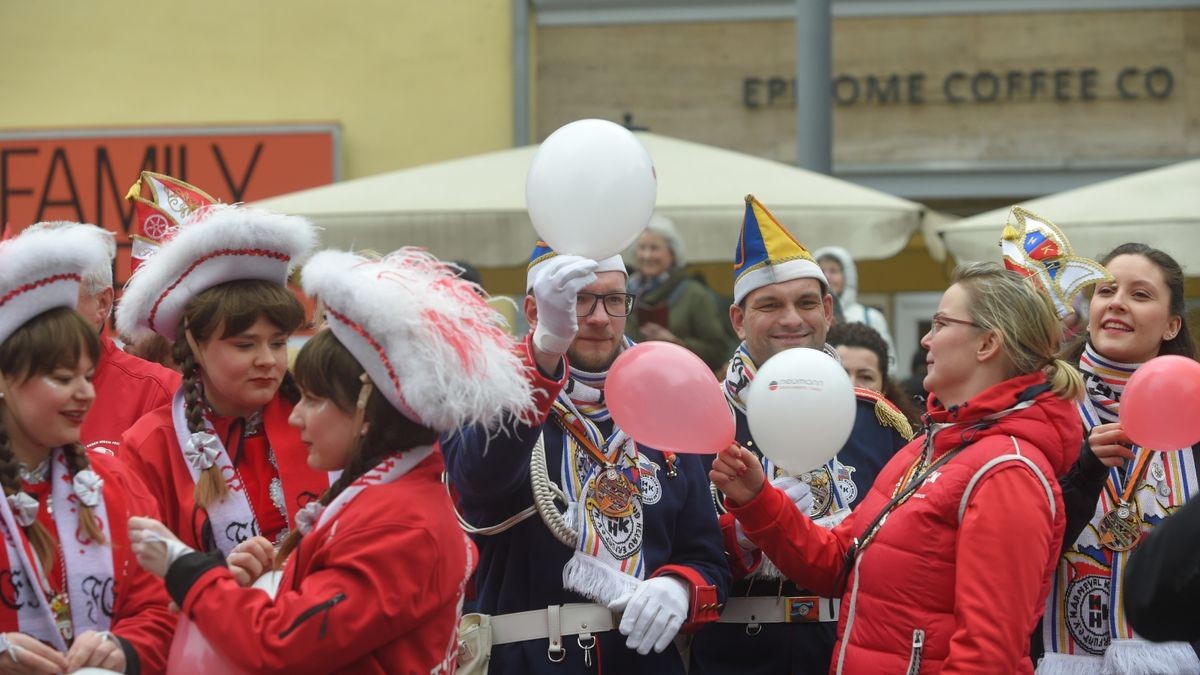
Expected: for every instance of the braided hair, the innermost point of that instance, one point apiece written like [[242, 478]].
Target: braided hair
[[230, 308], [59, 338], [325, 369]]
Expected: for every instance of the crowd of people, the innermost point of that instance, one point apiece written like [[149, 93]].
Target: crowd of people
[[423, 492]]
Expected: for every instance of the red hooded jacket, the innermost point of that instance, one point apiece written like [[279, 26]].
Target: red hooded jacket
[[126, 388], [956, 578]]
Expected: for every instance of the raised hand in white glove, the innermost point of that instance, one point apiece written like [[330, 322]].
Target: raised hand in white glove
[[155, 546], [796, 490], [655, 614], [555, 289]]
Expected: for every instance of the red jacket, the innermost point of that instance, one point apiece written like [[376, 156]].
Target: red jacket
[[378, 589], [138, 609], [956, 578], [151, 449], [126, 388]]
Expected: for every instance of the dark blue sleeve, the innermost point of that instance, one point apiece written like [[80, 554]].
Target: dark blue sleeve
[[697, 542], [491, 468]]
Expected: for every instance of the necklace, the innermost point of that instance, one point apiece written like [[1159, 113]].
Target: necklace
[[35, 476]]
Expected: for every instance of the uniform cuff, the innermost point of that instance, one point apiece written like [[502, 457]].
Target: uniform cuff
[[704, 607], [187, 570], [545, 386]]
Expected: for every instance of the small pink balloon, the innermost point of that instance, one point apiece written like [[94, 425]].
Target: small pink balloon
[[666, 398], [191, 653], [1160, 403]]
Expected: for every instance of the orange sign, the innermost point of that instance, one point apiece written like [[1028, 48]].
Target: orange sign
[[84, 175]]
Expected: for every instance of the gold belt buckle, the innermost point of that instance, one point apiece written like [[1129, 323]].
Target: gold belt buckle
[[802, 609]]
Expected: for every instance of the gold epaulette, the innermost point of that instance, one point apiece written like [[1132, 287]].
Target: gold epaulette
[[886, 412]]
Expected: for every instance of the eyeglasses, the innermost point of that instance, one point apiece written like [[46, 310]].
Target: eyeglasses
[[615, 304], [941, 321]]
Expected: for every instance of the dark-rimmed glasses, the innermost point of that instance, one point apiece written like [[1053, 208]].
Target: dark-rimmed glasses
[[941, 321], [615, 304]]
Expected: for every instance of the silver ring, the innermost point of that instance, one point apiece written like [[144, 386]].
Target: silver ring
[[12, 651], [107, 636], [6, 646]]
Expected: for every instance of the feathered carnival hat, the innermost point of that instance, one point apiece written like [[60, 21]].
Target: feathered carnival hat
[[768, 254], [427, 339], [542, 253], [211, 245], [41, 269], [1034, 247]]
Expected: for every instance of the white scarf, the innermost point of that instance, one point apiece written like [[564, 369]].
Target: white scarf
[[87, 564], [232, 519], [608, 560], [316, 515]]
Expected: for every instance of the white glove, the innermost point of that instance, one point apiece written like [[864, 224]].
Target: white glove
[[555, 289], [156, 547], [655, 614], [796, 490]]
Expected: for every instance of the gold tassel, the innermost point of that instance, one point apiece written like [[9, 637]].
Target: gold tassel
[[1010, 233], [890, 417], [134, 192]]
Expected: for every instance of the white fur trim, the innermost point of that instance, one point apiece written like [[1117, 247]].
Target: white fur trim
[[610, 264], [427, 339], [30, 260], [210, 248], [777, 274], [1140, 657]]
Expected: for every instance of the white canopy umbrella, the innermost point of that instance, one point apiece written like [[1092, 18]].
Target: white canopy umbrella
[[1160, 207], [473, 209]]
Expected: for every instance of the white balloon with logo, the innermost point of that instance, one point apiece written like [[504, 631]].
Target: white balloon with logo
[[800, 409]]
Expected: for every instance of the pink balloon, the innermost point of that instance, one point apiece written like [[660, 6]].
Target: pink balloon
[[191, 653], [1160, 403], [666, 398]]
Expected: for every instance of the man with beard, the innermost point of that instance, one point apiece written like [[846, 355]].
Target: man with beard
[[639, 535], [781, 300]]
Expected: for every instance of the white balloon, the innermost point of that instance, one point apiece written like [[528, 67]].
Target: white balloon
[[269, 582], [800, 409], [590, 189]]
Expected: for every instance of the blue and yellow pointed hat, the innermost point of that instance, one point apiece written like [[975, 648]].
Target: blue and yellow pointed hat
[[768, 254], [542, 253]]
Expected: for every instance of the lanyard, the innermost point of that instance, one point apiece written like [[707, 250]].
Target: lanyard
[[1119, 493]]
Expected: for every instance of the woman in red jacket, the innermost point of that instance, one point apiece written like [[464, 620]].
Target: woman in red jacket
[[221, 459], [945, 566], [72, 594], [374, 578]]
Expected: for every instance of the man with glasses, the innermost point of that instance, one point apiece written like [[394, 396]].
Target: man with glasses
[[770, 626], [574, 520]]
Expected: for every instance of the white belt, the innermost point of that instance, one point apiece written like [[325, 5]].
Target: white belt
[[552, 623], [780, 609]]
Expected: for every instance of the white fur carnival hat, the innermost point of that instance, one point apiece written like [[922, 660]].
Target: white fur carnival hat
[[41, 269], [213, 245], [427, 339]]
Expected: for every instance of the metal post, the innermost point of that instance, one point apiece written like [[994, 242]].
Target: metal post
[[814, 97], [520, 64]]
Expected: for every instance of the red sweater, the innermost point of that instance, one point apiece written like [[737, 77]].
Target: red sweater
[[956, 578], [378, 589], [126, 388]]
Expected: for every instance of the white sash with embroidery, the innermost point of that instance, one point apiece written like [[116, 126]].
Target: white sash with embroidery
[[315, 515], [232, 519], [88, 563]]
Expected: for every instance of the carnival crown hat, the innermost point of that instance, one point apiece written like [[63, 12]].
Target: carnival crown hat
[[427, 339], [161, 203], [542, 253], [211, 246], [1034, 247], [41, 269], [768, 254]]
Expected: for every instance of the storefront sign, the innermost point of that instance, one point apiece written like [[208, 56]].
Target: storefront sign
[[1131, 83]]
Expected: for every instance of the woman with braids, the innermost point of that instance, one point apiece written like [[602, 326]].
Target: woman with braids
[[373, 578], [221, 458], [1118, 491], [945, 565], [71, 593]]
